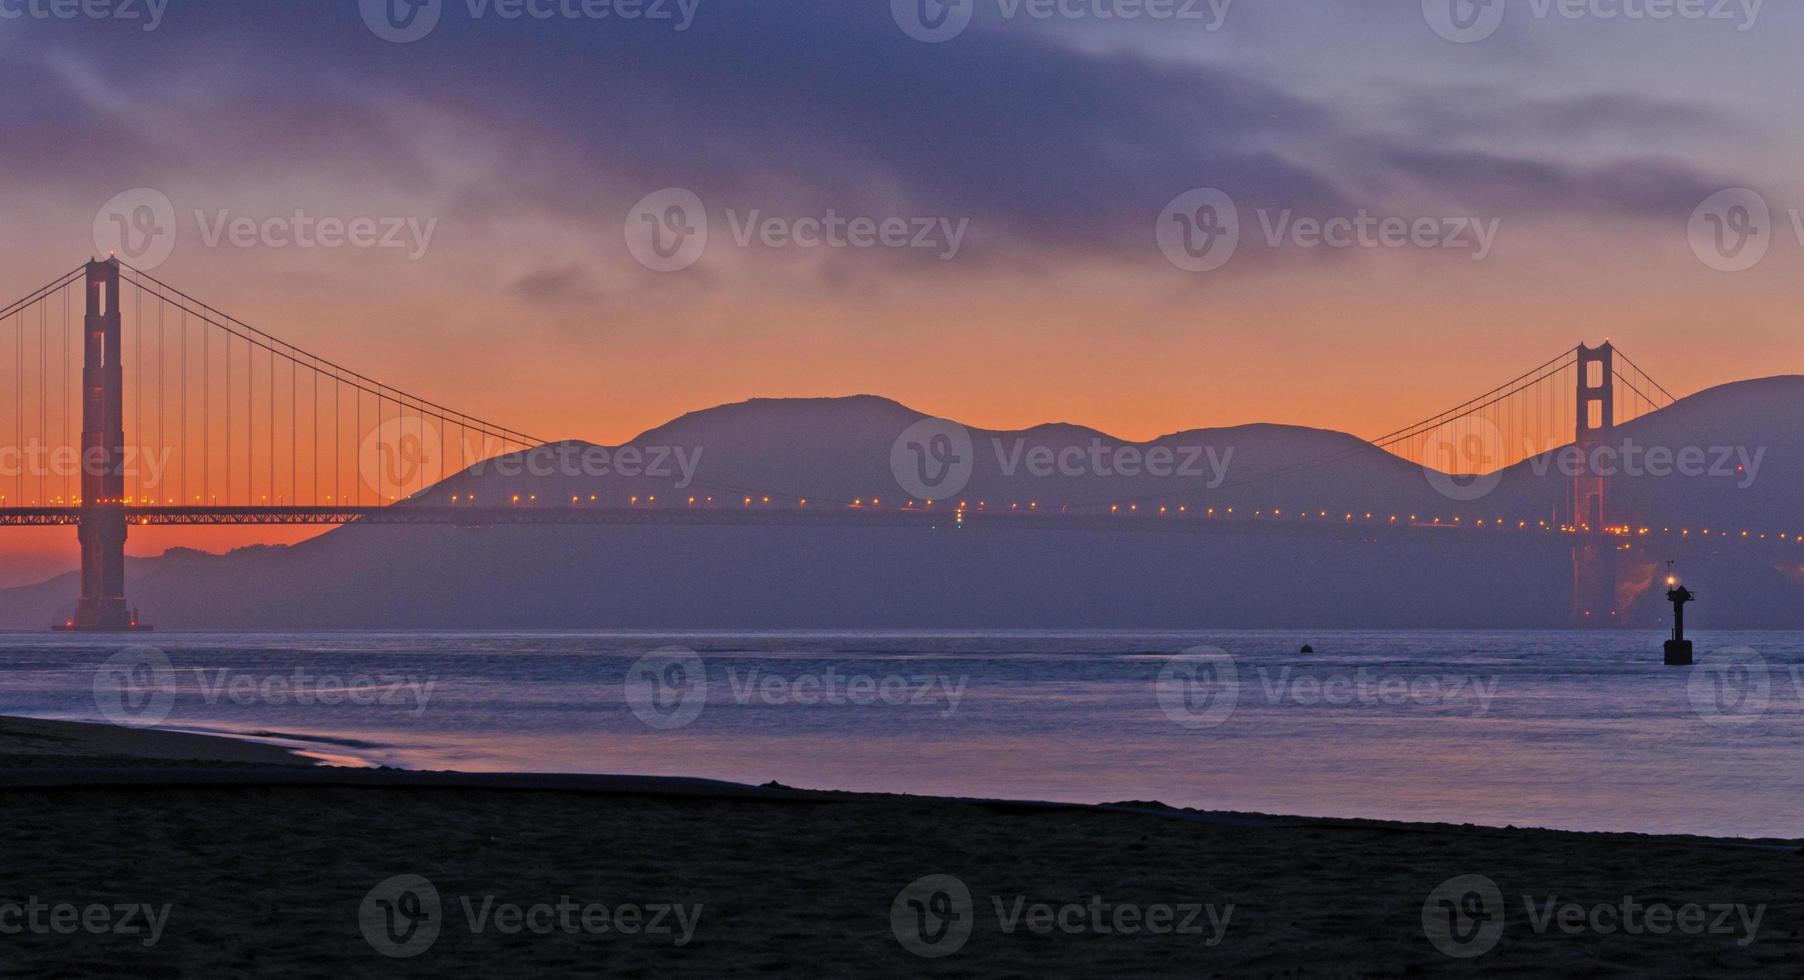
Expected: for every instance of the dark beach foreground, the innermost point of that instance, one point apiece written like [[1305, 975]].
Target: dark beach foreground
[[234, 863]]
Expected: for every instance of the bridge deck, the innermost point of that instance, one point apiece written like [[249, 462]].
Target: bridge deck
[[901, 517]]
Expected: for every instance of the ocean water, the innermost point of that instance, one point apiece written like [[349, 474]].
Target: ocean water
[[1574, 730]]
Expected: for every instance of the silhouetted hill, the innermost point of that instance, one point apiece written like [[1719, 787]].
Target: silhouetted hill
[[835, 450], [840, 450]]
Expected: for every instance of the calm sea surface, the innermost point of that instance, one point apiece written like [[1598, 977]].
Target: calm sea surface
[[1573, 730]]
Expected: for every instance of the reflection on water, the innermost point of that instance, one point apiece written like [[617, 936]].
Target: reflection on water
[[1573, 730]]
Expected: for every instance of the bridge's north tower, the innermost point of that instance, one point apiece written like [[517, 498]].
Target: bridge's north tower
[[102, 520], [1593, 554]]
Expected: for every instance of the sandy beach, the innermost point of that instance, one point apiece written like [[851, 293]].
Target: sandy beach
[[231, 863]]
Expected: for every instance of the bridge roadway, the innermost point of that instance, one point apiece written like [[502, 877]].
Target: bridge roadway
[[672, 516], [407, 513]]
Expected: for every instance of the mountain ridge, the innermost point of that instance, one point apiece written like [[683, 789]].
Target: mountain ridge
[[362, 576]]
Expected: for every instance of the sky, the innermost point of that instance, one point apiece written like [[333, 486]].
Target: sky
[[1058, 181]]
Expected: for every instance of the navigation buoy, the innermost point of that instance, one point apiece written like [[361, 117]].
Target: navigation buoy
[[1678, 649]]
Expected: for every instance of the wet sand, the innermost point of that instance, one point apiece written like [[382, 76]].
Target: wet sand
[[279, 870], [31, 742]]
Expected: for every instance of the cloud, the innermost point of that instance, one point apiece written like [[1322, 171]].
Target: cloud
[[789, 108]]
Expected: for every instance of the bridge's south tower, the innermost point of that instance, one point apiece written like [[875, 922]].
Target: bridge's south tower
[[102, 527], [1593, 554]]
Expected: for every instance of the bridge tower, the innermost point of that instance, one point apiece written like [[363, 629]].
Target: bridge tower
[[1593, 553], [102, 518]]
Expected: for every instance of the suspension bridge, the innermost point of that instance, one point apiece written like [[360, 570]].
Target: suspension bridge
[[253, 430]]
